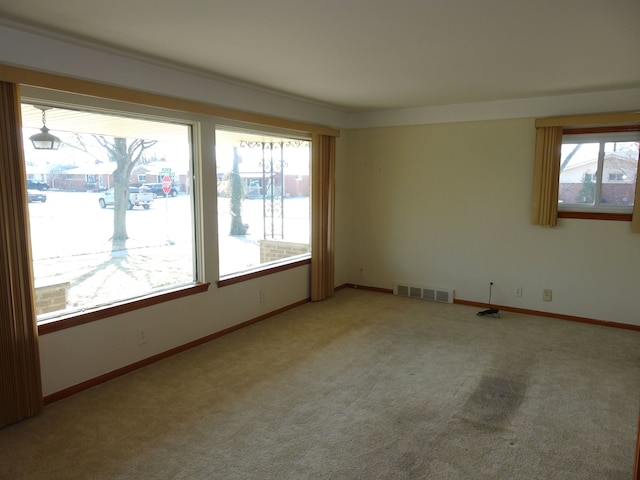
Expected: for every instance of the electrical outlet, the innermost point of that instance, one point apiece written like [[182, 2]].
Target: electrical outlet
[[518, 292], [141, 335], [547, 295], [262, 297]]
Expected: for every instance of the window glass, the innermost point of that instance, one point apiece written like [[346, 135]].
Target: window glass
[[101, 232], [619, 171], [263, 199], [598, 174]]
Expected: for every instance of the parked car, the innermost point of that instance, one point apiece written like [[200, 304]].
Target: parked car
[[156, 189], [136, 198], [36, 196], [37, 185]]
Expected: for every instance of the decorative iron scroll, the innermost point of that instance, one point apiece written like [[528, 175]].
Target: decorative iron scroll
[[273, 164]]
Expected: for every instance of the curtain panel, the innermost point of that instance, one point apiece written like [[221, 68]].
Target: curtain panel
[[323, 216], [546, 176], [20, 384], [635, 218], [636, 474]]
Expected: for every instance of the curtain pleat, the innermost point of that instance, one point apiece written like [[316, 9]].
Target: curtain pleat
[[546, 176], [635, 219], [20, 384], [322, 216], [636, 474]]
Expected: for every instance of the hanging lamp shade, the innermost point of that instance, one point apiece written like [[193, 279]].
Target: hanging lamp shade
[[44, 140]]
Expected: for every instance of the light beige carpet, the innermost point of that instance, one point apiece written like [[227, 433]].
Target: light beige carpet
[[362, 386]]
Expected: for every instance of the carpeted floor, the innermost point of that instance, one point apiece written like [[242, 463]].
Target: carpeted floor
[[362, 386]]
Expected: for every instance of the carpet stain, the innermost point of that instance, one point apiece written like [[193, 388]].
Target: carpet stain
[[407, 461], [494, 401]]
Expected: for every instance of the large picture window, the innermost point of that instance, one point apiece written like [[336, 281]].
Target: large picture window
[[101, 231], [263, 200]]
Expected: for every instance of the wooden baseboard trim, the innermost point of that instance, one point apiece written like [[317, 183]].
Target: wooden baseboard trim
[[367, 287], [67, 392], [505, 308], [560, 316]]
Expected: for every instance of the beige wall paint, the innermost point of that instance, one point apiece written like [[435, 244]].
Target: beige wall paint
[[447, 205]]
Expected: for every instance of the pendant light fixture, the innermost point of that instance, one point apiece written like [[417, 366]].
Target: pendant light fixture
[[44, 140]]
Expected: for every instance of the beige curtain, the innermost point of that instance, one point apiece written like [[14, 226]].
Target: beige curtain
[[636, 474], [635, 219], [322, 216], [20, 385], [544, 207]]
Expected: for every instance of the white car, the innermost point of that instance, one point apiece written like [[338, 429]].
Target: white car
[[136, 199]]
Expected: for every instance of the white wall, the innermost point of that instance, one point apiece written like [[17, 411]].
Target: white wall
[[78, 354], [448, 205]]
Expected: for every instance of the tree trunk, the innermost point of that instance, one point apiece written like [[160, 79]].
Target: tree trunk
[[121, 196], [237, 193], [125, 157]]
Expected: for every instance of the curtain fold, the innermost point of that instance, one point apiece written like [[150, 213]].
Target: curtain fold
[[322, 216], [20, 384], [635, 218], [636, 474], [546, 176]]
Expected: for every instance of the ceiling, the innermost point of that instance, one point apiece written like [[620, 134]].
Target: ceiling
[[365, 55]]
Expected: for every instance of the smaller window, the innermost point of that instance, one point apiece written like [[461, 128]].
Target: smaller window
[[598, 172], [263, 201]]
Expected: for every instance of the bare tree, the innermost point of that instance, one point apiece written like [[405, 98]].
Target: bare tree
[[569, 157], [126, 154]]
